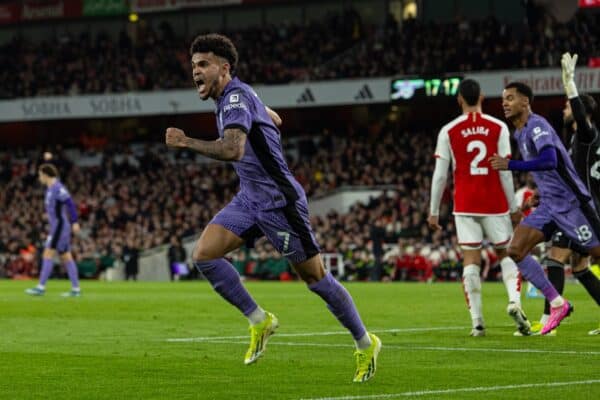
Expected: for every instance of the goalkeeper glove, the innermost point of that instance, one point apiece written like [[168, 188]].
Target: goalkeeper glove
[[568, 74]]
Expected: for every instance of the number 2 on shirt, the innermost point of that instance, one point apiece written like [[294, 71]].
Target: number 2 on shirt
[[479, 146]]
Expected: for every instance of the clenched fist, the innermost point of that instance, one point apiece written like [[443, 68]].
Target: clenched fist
[[433, 222], [175, 137]]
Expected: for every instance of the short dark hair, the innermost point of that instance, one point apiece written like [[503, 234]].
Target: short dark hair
[[219, 45], [589, 104], [49, 169], [470, 91], [521, 88]]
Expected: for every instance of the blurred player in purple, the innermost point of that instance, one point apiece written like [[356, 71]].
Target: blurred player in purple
[[565, 203], [270, 202], [62, 218]]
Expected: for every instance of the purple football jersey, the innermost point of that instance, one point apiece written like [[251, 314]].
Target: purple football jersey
[[560, 189], [265, 179], [56, 198]]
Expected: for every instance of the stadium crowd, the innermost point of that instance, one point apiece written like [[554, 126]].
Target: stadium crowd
[[127, 202], [415, 47], [136, 197], [339, 46]]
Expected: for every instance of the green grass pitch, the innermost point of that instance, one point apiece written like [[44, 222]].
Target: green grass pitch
[[113, 343]]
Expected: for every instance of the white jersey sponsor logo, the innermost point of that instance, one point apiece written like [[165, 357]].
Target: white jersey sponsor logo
[[230, 107], [538, 133]]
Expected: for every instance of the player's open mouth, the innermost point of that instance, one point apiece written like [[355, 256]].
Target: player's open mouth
[[200, 85]]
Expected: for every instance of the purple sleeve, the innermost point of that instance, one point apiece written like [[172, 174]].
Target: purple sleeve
[[542, 136], [237, 112], [546, 160], [72, 209]]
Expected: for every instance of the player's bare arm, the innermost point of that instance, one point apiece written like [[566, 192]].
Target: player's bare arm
[[274, 116], [76, 228], [230, 148]]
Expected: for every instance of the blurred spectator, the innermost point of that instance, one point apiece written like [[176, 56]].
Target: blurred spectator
[[377, 239], [447, 266], [240, 260], [130, 257], [176, 259], [107, 262]]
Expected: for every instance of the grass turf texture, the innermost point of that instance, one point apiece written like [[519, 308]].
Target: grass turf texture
[[112, 344]]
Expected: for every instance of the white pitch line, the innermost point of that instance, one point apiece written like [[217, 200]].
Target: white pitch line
[[589, 353], [332, 333], [274, 342], [459, 390]]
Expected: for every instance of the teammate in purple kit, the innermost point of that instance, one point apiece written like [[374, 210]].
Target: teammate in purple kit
[[270, 202], [62, 218], [583, 143], [565, 203]]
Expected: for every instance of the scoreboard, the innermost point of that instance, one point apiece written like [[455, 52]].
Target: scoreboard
[[406, 89]]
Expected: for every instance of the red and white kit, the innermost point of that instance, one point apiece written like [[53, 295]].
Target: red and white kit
[[483, 197]]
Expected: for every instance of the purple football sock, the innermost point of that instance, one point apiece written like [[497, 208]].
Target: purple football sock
[[226, 281], [73, 273], [340, 304], [47, 267], [533, 272]]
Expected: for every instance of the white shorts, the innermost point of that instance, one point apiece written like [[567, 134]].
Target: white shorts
[[470, 230]]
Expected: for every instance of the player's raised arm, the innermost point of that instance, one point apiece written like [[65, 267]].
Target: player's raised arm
[[230, 148], [584, 126]]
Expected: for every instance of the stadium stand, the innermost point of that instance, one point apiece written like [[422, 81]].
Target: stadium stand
[[114, 211], [336, 47]]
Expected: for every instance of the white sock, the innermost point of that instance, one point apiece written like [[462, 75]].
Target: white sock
[[472, 286], [364, 342], [257, 316], [557, 302], [512, 282], [544, 319], [76, 289], [41, 287]]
